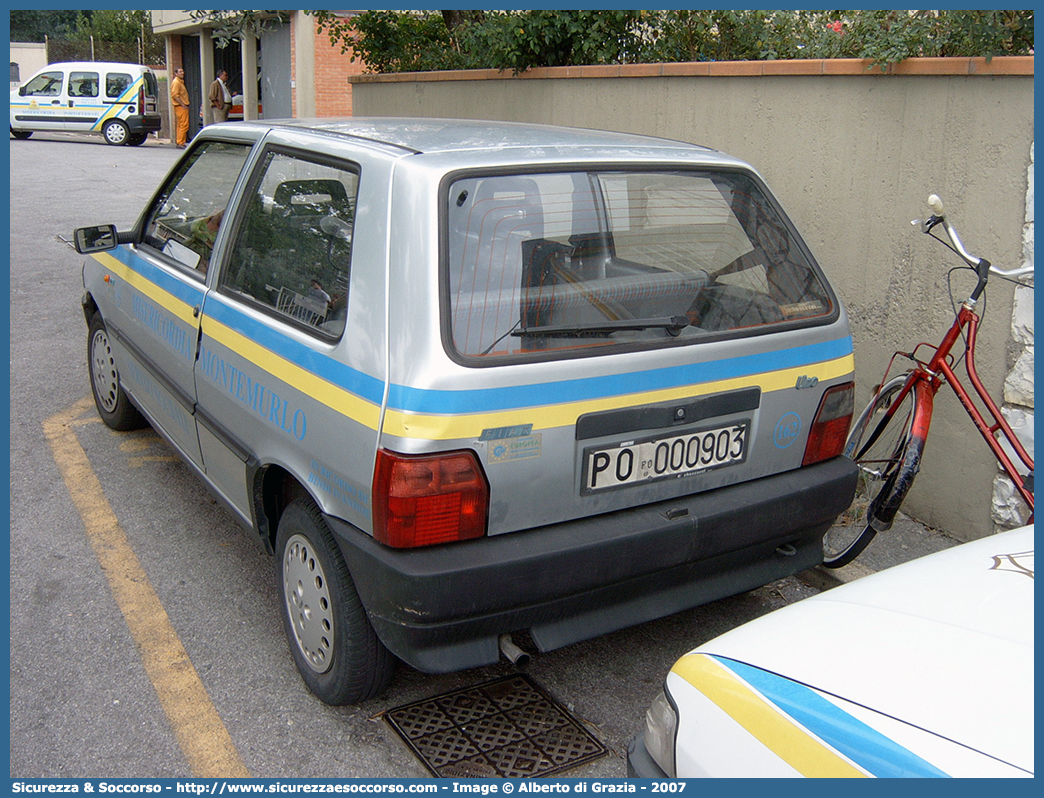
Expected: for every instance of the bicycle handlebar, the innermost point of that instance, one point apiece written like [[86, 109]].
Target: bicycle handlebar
[[939, 217]]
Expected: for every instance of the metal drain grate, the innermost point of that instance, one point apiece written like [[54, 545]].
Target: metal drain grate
[[508, 727]]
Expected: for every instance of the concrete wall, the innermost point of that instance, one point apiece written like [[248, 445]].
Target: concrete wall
[[30, 58], [852, 154]]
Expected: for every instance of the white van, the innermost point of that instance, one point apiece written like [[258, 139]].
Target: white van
[[117, 100]]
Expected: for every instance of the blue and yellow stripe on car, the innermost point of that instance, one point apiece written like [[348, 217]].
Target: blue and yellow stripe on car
[[431, 414], [428, 414], [116, 106], [180, 298], [813, 735]]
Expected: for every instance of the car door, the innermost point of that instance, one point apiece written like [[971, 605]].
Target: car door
[[159, 299], [40, 103], [120, 94], [270, 385], [82, 100]]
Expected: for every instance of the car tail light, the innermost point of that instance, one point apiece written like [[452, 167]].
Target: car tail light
[[829, 431], [428, 499], [141, 99]]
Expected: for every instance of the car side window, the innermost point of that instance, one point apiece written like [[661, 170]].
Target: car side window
[[185, 219], [48, 84], [83, 84], [292, 251], [116, 83]]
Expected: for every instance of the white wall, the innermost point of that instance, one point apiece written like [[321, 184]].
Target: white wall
[[30, 58]]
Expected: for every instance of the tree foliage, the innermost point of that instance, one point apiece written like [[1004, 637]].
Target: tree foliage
[[400, 41], [116, 25], [109, 25], [228, 26], [35, 26]]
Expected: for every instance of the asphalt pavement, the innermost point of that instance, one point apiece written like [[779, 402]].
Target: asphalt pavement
[[907, 540]]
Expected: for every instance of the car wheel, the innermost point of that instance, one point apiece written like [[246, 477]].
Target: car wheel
[[137, 139], [21, 134], [333, 644], [114, 406], [115, 132]]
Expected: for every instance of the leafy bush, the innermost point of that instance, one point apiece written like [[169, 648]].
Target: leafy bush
[[398, 41]]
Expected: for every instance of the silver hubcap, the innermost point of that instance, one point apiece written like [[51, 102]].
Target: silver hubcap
[[308, 603], [116, 134], [103, 368]]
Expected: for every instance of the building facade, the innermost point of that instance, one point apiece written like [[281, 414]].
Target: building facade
[[299, 72]]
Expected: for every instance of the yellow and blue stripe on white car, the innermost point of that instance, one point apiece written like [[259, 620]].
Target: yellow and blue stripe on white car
[[114, 107], [802, 727]]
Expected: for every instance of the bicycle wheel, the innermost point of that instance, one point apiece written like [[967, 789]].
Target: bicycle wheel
[[888, 453]]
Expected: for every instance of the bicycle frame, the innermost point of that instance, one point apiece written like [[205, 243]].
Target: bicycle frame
[[890, 471], [938, 370]]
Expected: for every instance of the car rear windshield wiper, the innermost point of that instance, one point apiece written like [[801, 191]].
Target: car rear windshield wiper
[[672, 324]]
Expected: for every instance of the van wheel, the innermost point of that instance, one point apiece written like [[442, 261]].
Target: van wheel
[[137, 139], [114, 406], [333, 644], [21, 134], [115, 132]]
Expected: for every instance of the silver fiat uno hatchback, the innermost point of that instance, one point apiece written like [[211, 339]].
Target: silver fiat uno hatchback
[[468, 380]]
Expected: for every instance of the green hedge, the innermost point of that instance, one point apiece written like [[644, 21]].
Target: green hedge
[[396, 41]]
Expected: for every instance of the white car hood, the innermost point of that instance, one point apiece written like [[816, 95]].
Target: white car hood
[[944, 643]]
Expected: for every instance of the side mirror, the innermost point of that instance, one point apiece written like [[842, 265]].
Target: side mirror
[[101, 238], [21, 91]]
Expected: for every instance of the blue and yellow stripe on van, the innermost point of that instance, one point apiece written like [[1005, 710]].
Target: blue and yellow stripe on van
[[114, 107], [427, 414], [811, 734]]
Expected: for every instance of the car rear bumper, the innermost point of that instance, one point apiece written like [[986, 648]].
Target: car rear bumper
[[443, 608], [147, 123]]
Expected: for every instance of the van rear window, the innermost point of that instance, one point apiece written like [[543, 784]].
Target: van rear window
[[151, 86], [541, 263]]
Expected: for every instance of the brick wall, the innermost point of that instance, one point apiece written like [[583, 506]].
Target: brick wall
[[333, 92], [173, 54], [295, 29]]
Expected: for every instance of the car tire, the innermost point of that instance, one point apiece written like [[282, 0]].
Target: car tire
[[137, 139], [335, 648], [116, 133], [114, 406], [21, 134]]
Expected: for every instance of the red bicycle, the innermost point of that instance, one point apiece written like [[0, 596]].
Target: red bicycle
[[887, 438]]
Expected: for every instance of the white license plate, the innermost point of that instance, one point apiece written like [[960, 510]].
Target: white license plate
[[663, 457]]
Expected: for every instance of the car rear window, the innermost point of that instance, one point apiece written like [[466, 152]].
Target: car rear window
[[539, 264]]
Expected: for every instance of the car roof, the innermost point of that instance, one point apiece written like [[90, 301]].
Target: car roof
[[430, 136], [93, 66]]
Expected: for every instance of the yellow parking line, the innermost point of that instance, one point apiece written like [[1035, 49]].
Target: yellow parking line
[[197, 726]]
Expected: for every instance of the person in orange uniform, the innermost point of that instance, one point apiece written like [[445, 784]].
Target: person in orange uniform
[[179, 97]]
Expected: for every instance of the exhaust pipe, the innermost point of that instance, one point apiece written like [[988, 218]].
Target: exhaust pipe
[[513, 653]]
